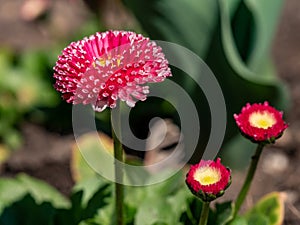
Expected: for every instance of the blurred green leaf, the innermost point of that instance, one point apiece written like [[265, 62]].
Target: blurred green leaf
[[239, 221], [27, 211], [88, 197], [258, 219], [42, 192], [254, 82], [10, 191], [252, 76], [269, 210], [27, 201], [193, 210], [13, 189], [93, 152], [93, 148], [168, 20], [224, 213], [232, 36], [163, 203], [25, 85]]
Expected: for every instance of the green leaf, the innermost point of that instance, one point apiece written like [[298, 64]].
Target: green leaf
[[91, 153], [42, 192], [6, 58], [154, 210], [232, 155], [35, 62], [258, 219], [12, 190], [163, 203], [254, 81], [232, 36], [27, 211], [88, 197], [105, 216], [192, 213], [240, 66], [168, 20], [224, 213], [239, 221], [271, 207], [89, 187], [27, 201]]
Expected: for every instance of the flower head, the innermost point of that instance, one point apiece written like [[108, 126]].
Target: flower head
[[208, 179], [260, 122], [108, 66]]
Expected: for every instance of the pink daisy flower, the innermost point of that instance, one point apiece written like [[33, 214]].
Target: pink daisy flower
[[208, 179], [108, 66], [260, 122]]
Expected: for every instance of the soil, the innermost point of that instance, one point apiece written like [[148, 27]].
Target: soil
[[46, 154]]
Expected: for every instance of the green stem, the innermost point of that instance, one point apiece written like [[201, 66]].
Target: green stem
[[118, 154], [242, 195], [204, 213]]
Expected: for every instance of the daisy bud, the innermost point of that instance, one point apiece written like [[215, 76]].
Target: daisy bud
[[260, 122], [208, 180]]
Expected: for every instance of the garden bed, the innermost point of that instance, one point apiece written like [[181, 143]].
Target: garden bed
[[46, 155]]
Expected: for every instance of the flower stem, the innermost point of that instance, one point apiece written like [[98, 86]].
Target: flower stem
[[118, 154], [204, 213], [242, 195]]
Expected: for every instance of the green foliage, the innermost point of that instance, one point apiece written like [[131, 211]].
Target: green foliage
[[26, 211], [24, 85], [85, 202], [169, 202], [163, 203], [12, 190], [233, 37], [269, 210], [224, 213], [25, 200], [155, 204]]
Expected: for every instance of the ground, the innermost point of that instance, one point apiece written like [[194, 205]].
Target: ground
[[279, 165]]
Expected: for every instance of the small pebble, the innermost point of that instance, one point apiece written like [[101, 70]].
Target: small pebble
[[275, 163]]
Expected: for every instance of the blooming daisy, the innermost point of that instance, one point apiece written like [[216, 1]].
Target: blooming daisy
[[260, 122], [108, 66], [208, 179]]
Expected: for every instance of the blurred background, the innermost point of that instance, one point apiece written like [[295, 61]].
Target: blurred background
[[251, 46]]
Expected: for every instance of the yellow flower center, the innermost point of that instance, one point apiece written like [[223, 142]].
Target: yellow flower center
[[207, 175], [262, 120], [107, 60]]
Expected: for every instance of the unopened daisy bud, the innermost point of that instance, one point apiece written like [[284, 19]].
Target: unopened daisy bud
[[260, 122], [208, 180]]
